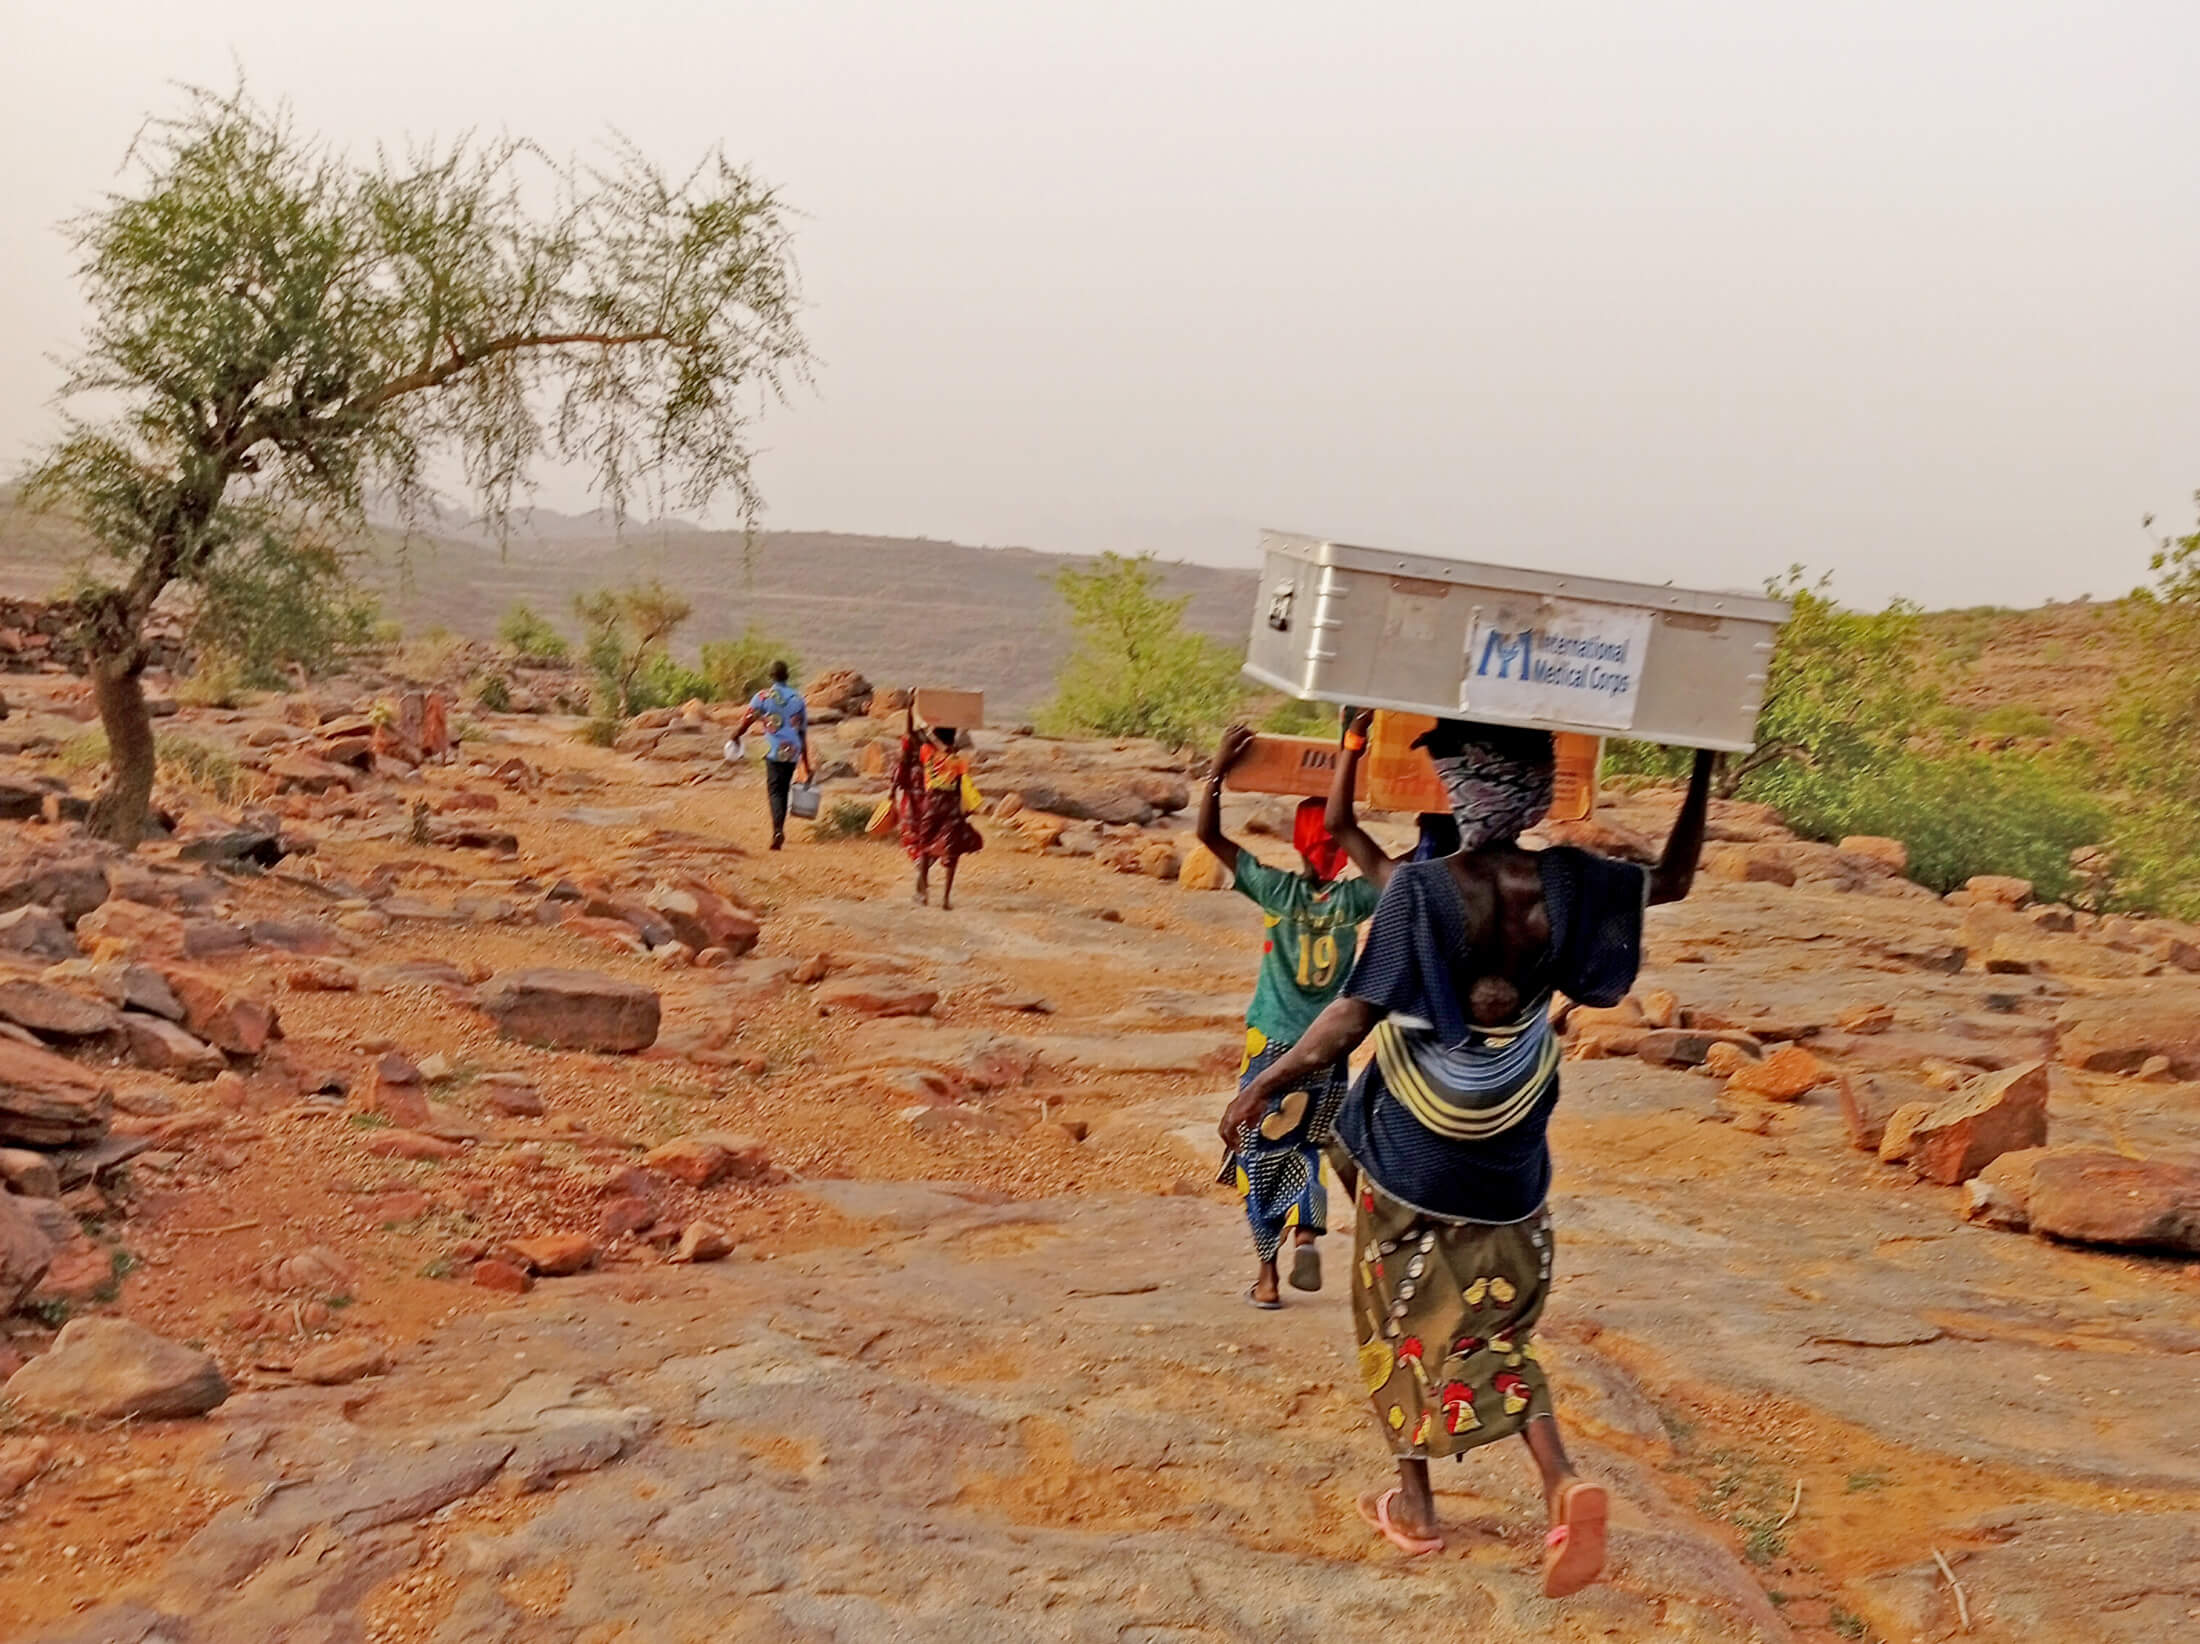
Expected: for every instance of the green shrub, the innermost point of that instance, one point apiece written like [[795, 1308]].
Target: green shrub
[[529, 636], [180, 761], [1291, 717], [493, 693], [1134, 669], [629, 631], [2014, 719], [2155, 748], [600, 729], [738, 668], [843, 819], [666, 683], [1959, 814], [268, 605]]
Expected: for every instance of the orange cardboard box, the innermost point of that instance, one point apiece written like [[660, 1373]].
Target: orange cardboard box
[[1300, 766], [1397, 776], [965, 710]]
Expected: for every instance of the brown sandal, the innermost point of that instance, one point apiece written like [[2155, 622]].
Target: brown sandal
[[1573, 1553]]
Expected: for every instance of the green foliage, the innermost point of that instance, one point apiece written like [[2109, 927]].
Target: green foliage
[[1842, 691], [1291, 717], [1135, 669], [666, 682], [2156, 733], [843, 819], [739, 668], [530, 637], [281, 332], [181, 761], [271, 605], [627, 647], [1960, 814], [2014, 719], [493, 693]]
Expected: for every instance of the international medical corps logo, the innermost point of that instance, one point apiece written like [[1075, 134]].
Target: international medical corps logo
[[1563, 661], [1505, 650]]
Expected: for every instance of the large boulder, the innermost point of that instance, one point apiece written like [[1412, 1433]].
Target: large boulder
[[1996, 1114], [55, 1012], [70, 879], [572, 1010], [2104, 1198], [235, 1019], [49, 1101], [700, 917], [25, 1252], [1095, 801], [2119, 1034], [112, 1370]]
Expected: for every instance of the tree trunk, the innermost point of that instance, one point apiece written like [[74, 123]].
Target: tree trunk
[[120, 813]]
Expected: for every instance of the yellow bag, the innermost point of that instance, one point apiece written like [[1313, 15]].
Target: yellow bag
[[971, 798], [882, 819]]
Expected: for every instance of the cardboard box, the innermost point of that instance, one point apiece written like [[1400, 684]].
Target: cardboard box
[[1300, 767], [939, 705], [1397, 776]]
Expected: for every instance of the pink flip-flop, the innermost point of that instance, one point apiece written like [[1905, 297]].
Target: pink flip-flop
[[1573, 1554], [1379, 1516]]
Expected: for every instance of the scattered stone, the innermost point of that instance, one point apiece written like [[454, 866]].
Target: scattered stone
[[572, 1010], [1788, 1074], [1890, 854], [132, 930], [412, 1144], [813, 970], [2157, 1068], [256, 847], [703, 1242], [317, 1270], [705, 1160], [2120, 1033], [26, 1250], [1902, 1123], [1749, 864], [322, 976], [514, 1099], [37, 932], [340, 1362], [71, 880], [877, 996], [1721, 1061], [1866, 1019], [508, 1277], [138, 987], [555, 1255], [1687, 1047], [2001, 1194], [48, 1100], [1999, 890], [164, 1047], [22, 1460], [1660, 1008], [625, 1215], [1868, 1102], [1996, 1114], [56, 1012], [2104, 1198], [226, 1017], [28, 1173], [700, 918], [110, 1369]]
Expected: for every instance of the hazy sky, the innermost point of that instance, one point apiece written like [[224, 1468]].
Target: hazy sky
[[1908, 289]]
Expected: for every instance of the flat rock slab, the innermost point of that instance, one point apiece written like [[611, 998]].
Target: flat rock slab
[[572, 1010], [918, 1442]]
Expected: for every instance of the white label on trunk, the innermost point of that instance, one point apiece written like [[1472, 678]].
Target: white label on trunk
[[1556, 659]]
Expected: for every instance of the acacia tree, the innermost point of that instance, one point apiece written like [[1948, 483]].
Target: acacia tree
[[283, 335]]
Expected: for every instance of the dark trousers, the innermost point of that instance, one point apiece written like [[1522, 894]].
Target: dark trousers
[[778, 782]]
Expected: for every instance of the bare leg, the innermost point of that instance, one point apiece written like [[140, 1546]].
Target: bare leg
[[1551, 1460], [1267, 1288], [1414, 1509], [924, 880], [947, 888]]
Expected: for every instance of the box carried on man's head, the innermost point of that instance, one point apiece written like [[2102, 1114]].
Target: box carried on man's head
[[1506, 646], [940, 705]]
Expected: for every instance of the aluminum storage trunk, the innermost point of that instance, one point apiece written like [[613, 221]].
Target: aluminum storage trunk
[[1381, 629]]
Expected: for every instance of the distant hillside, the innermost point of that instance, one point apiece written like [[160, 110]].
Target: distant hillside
[[898, 608], [903, 608]]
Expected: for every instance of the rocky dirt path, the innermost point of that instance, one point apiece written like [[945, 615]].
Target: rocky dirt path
[[980, 1368]]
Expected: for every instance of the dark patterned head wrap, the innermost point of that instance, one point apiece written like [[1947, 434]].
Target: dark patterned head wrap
[[1497, 777]]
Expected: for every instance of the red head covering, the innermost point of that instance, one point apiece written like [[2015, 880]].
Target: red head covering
[[1315, 842]]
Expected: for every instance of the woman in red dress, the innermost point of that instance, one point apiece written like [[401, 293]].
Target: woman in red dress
[[935, 796]]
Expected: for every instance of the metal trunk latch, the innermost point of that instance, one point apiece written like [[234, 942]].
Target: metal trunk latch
[[1279, 607]]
